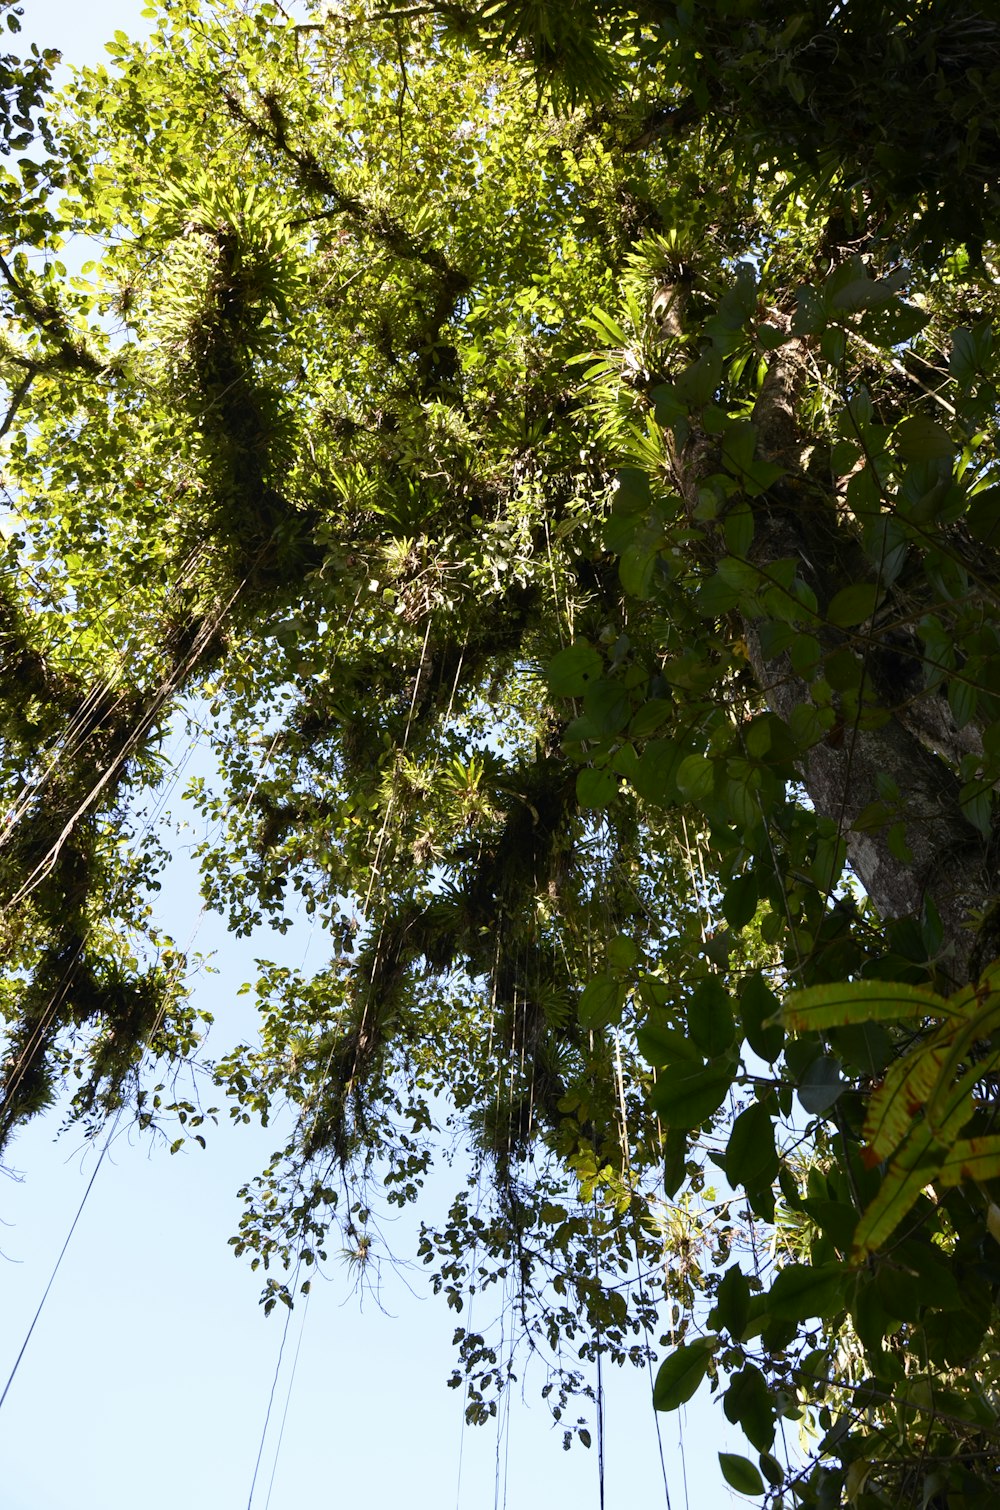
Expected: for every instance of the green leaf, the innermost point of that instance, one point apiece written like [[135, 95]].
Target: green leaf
[[710, 1017], [606, 706], [854, 604], [758, 1010], [983, 515], [740, 1474], [605, 326], [653, 713], [636, 568], [976, 801], [921, 439], [915, 1166], [661, 1045], [751, 1156], [738, 528], [601, 1002], [686, 1095], [772, 1470], [739, 438], [908, 1085], [623, 952], [844, 457], [770, 337], [596, 788], [863, 293], [802, 1291], [975, 1159], [810, 313], [844, 1002], [837, 1220], [748, 1403], [740, 900], [633, 495], [962, 700], [674, 1161], [732, 1303], [679, 1376], [695, 777], [697, 383], [571, 672], [821, 1085], [964, 360], [865, 1048], [654, 777]]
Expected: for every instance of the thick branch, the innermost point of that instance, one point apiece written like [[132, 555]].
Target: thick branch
[[930, 852]]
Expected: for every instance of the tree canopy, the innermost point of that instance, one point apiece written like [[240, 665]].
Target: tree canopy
[[551, 449]]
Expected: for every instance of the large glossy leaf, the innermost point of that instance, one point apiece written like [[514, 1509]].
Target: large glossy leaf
[[749, 1403], [679, 1375], [801, 1291], [601, 1002], [751, 1157], [920, 438], [844, 1002], [740, 901], [914, 1166], [759, 1010], [732, 1303], [904, 1089], [686, 1095], [852, 605], [573, 670], [660, 1045], [596, 788], [654, 775], [821, 1085], [710, 1017], [740, 1474], [971, 1159]]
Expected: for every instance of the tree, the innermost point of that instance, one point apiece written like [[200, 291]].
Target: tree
[[554, 449]]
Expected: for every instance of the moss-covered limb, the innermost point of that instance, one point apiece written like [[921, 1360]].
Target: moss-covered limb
[[52, 853], [919, 132], [71, 348], [78, 991], [486, 930], [54, 872], [266, 537], [405, 693], [35, 698], [273, 127]]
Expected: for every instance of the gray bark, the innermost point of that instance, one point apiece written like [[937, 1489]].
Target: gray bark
[[946, 861]]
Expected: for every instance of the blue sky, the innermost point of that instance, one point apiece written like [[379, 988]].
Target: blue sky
[[148, 1375]]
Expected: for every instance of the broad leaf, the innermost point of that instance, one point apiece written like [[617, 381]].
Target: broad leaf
[[844, 1002], [687, 1095], [710, 1017], [976, 1159], [913, 1167], [572, 671], [601, 1002], [821, 1085], [732, 1303], [749, 1403], [740, 1474], [801, 1291], [680, 1375], [751, 1157], [852, 605]]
